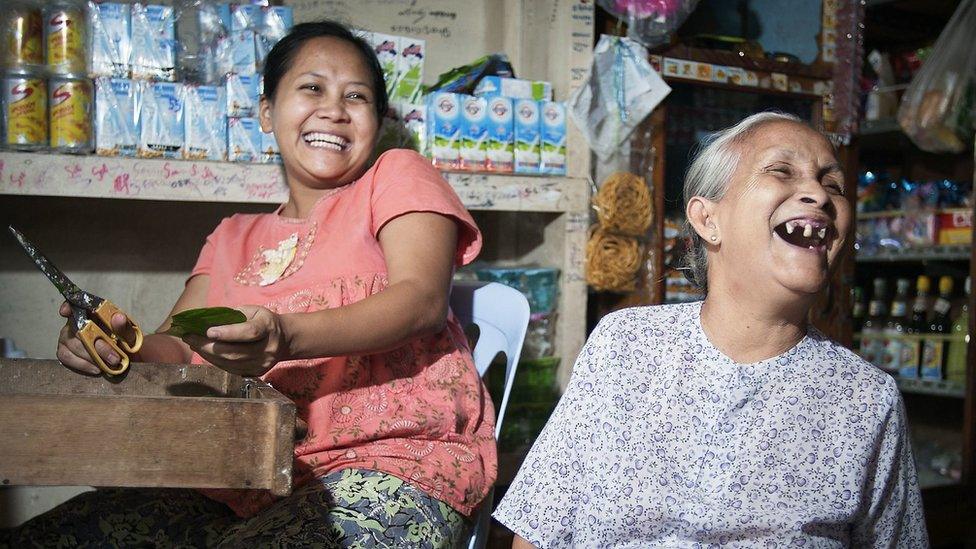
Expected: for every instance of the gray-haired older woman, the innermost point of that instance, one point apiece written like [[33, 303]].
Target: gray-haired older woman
[[730, 421]]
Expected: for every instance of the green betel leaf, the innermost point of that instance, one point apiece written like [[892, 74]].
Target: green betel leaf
[[196, 321]]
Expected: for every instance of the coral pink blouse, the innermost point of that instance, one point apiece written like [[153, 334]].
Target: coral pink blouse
[[419, 412]]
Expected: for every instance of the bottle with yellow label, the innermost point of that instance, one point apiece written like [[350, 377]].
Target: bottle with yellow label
[[934, 346]]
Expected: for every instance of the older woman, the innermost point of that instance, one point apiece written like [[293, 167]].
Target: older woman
[[730, 421]]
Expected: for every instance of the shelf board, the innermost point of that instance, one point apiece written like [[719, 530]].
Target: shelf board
[[43, 174], [931, 387], [879, 127], [932, 253]]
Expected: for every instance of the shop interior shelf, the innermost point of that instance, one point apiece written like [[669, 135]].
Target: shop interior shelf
[[959, 252], [932, 387]]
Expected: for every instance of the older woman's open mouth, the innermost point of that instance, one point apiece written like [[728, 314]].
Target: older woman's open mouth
[[809, 234]]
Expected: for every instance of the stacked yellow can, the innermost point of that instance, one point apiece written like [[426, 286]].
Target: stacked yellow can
[[47, 97]]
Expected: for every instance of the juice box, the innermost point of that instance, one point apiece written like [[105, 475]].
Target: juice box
[[385, 46], [527, 144], [161, 120], [474, 133], [552, 129], [444, 127], [414, 118], [243, 140], [515, 88], [270, 153], [153, 42], [116, 128], [205, 139], [242, 56], [242, 95], [410, 69], [501, 134], [276, 22], [111, 46]]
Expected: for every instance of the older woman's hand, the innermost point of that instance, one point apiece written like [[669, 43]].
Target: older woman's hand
[[249, 348]]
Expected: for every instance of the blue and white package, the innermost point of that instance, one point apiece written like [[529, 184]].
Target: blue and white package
[[111, 46], [153, 54], [270, 153], [161, 120], [205, 134], [474, 133], [444, 129], [243, 140], [501, 134], [552, 130], [116, 119], [245, 16], [242, 95], [414, 118], [526, 136], [277, 21]]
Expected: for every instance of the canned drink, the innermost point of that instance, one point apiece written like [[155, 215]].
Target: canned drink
[[70, 114], [24, 110], [66, 38], [21, 32]]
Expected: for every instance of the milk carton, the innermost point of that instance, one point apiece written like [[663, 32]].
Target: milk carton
[[161, 120], [410, 69], [474, 133], [242, 55], [414, 118], [111, 45], [243, 140], [491, 86], [206, 136], [552, 137], [501, 134], [270, 153], [242, 95], [277, 21], [527, 143], [245, 16], [385, 46], [153, 42], [444, 126], [115, 117]]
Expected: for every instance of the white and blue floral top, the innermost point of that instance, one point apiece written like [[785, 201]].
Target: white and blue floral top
[[662, 441]]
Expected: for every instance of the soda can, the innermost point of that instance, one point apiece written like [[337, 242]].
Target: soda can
[[24, 103], [71, 101], [20, 27], [66, 38]]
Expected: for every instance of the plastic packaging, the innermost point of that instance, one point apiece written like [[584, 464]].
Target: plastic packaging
[[116, 117], [161, 132], [111, 44], [243, 140], [153, 54], [206, 135], [650, 22], [937, 108]]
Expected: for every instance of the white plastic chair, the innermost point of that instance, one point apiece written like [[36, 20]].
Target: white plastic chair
[[502, 316]]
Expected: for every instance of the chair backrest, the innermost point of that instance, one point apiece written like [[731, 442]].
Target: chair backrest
[[502, 316]]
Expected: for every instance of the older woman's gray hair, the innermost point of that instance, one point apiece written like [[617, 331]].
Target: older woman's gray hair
[[708, 177]]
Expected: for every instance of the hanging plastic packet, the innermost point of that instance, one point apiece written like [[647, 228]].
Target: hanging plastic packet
[[214, 51], [277, 21], [116, 116], [620, 91], [650, 22], [161, 120], [206, 135], [153, 42], [111, 44], [464, 79]]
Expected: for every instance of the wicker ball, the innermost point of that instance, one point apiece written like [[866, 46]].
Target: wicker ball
[[612, 261], [623, 204]]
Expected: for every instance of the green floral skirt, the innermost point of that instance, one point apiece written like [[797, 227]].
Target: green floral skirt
[[349, 508]]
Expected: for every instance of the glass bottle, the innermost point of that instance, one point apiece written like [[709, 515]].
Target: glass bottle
[[933, 348], [895, 328], [872, 345], [956, 359], [911, 347]]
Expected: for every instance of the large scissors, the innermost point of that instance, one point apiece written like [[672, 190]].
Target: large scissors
[[92, 315]]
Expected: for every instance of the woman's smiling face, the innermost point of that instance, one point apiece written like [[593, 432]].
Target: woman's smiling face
[[784, 218], [323, 114]]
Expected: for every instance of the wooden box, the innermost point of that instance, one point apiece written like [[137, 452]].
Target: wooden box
[[161, 425]]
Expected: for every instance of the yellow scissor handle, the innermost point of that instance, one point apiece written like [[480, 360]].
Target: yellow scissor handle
[[105, 311], [91, 333]]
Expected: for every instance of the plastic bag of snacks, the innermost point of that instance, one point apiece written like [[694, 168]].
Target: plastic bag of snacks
[[937, 109], [650, 21]]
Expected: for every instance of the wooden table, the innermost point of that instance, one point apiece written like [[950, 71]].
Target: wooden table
[[160, 425]]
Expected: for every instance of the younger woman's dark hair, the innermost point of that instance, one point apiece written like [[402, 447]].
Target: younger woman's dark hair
[[282, 54]]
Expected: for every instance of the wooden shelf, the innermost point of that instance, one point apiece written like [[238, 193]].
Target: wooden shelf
[[23, 173], [931, 253]]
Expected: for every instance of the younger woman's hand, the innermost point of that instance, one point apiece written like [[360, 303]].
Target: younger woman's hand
[[248, 348], [72, 352]]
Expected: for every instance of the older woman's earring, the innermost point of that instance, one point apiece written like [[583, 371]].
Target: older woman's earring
[[713, 238]]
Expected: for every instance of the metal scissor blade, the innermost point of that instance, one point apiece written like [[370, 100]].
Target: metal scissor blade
[[60, 281]]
